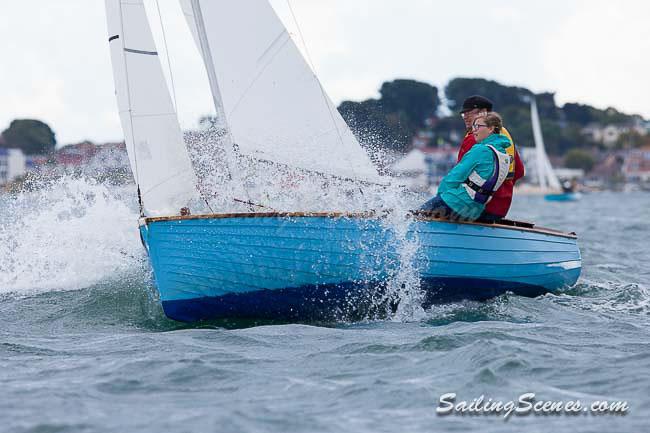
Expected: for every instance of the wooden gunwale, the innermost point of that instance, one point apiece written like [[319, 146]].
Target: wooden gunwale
[[418, 215]]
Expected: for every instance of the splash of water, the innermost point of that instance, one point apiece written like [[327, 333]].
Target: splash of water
[[404, 285], [68, 234], [75, 232], [241, 184]]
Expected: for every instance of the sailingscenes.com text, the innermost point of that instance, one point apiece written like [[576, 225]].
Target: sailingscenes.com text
[[527, 404]]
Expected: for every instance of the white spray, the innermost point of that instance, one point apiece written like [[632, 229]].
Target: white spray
[[70, 234]]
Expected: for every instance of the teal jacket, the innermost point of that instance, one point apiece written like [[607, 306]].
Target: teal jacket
[[480, 159]]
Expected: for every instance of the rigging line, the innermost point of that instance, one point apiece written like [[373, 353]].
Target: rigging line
[[128, 95], [313, 68], [169, 64], [250, 203], [167, 179]]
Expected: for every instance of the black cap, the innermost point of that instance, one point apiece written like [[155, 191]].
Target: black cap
[[476, 101]]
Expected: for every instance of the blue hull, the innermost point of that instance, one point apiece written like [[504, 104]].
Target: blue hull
[[572, 196], [322, 267]]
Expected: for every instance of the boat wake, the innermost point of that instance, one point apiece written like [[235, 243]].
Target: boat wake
[[608, 298]]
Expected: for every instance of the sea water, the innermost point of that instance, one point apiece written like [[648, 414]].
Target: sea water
[[84, 345]]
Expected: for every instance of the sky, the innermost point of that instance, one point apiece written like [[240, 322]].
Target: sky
[[56, 65]]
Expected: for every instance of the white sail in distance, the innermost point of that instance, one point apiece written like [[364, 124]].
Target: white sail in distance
[[546, 176], [273, 104], [154, 141]]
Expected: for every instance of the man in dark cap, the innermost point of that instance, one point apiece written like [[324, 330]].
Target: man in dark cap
[[497, 208], [476, 102]]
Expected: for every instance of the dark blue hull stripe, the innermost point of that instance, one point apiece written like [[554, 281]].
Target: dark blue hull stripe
[[347, 302]]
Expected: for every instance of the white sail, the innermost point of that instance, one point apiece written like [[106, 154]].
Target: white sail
[[154, 141], [273, 104], [188, 12], [545, 174]]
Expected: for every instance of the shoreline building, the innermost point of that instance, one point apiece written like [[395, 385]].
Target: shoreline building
[[636, 167], [12, 164]]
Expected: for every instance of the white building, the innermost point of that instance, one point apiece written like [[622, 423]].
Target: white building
[[609, 134], [12, 164]]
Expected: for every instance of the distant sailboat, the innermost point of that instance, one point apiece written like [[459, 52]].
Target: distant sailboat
[[285, 264], [544, 176]]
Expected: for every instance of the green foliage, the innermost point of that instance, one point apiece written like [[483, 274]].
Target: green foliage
[[502, 96], [373, 126], [579, 158], [585, 114], [546, 106], [413, 100], [32, 136], [632, 139], [561, 126], [579, 113], [516, 119], [612, 116], [393, 119], [571, 137]]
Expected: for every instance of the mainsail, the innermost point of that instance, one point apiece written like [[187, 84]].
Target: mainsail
[[266, 94], [154, 140]]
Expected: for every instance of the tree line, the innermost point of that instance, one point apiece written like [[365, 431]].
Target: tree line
[[404, 106], [32, 136]]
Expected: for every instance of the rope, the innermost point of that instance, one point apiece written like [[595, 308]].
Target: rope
[[251, 204]]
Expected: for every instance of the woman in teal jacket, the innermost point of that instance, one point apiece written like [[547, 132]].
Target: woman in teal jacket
[[466, 189]]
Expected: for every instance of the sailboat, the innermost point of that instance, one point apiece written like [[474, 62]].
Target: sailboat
[[287, 264], [547, 180]]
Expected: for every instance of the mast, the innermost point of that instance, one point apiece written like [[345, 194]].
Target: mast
[[223, 128], [209, 66]]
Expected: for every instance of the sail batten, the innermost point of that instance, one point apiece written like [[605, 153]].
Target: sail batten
[[149, 53]]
